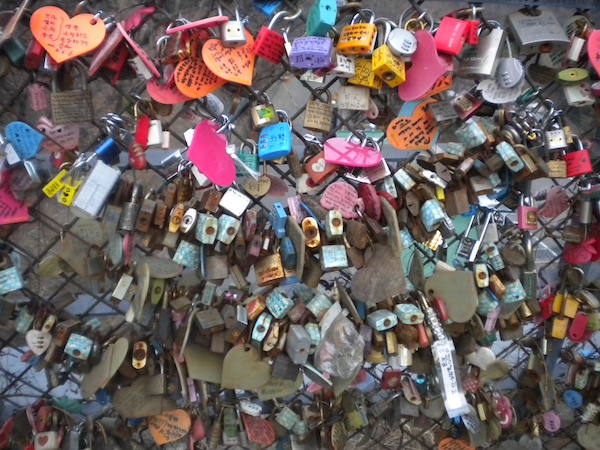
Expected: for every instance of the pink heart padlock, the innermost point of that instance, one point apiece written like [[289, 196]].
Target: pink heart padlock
[[344, 153], [505, 412]]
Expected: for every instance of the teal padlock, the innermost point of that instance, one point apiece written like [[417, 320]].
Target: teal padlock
[[321, 18], [249, 156], [275, 141]]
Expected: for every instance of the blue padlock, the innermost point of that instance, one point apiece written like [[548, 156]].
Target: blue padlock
[[275, 141], [289, 257], [278, 219]]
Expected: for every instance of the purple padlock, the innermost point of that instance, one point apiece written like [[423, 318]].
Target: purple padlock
[[312, 52]]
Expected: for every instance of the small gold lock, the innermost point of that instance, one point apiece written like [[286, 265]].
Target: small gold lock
[[364, 75], [269, 270]]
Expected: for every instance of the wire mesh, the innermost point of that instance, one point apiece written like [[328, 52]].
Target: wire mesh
[[34, 242]]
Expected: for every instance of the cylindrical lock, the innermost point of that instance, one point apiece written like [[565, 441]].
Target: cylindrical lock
[[130, 210]]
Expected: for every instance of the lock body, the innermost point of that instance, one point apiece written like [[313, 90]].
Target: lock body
[[312, 52]]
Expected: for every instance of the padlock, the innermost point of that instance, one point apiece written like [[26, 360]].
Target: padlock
[[95, 261], [334, 224], [312, 52], [91, 197], [73, 106], [275, 141], [209, 321], [358, 38], [345, 66], [527, 215], [510, 156], [471, 135], [491, 235], [297, 344], [555, 138], [578, 161], [131, 210], [321, 18], [456, 198], [481, 61], [409, 314], [78, 346], [391, 378], [579, 94], [382, 320], [318, 169], [146, 213], [333, 257], [364, 74], [402, 41], [269, 44], [279, 303], [385, 64], [187, 254], [451, 35], [263, 113], [318, 115], [46, 440], [537, 31], [432, 214], [206, 228], [232, 32], [269, 270], [227, 228]]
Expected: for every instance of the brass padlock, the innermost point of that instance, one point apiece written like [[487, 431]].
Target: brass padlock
[[263, 113], [319, 115], [73, 106]]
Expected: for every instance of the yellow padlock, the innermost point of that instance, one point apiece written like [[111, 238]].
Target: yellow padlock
[[68, 191], [364, 75], [358, 38], [385, 64]]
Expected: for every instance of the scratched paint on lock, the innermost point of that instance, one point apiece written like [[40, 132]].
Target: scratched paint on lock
[[24, 139], [414, 128], [343, 197]]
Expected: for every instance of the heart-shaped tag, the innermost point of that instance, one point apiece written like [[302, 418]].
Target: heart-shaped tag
[[492, 92], [457, 291], [168, 94], [38, 341], [64, 137], [593, 48], [235, 64], [207, 152], [193, 78], [579, 253], [426, 68], [257, 188], [279, 188], [383, 277], [557, 202], [343, 197], [65, 37], [169, 426], [24, 139], [340, 151], [414, 129], [319, 165], [259, 430], [243, 369]]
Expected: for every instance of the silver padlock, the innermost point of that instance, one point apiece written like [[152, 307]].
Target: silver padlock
[[92, 195], [232, 32], [481, 61], [537, 31], [131, 210]]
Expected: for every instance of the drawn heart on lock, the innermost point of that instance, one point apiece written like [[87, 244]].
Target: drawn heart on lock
[[340, 151], [427, 67], [42, 440], [593, 48], [343, 197], [38, 341], [243, 369], [235, 64], [65, 37], [207, 152], [66, 137], [193, 78], [24, 139], [319, 165], [169, 426], [383, 277], [414, 129]]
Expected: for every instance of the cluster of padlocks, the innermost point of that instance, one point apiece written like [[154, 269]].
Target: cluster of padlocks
[[238, 292]]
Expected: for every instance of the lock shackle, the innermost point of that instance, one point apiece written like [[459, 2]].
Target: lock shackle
[[236, 8], [177, 23], [143, 106], [80, 68], [276, 17], [249, 143], [360, 15], [283, 117], [258, 96], [369, 140], [387, 29], [294, 16], [423, 18], [321, 91]]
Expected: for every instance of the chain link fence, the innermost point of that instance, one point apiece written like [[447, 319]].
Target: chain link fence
[[32, 243]]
